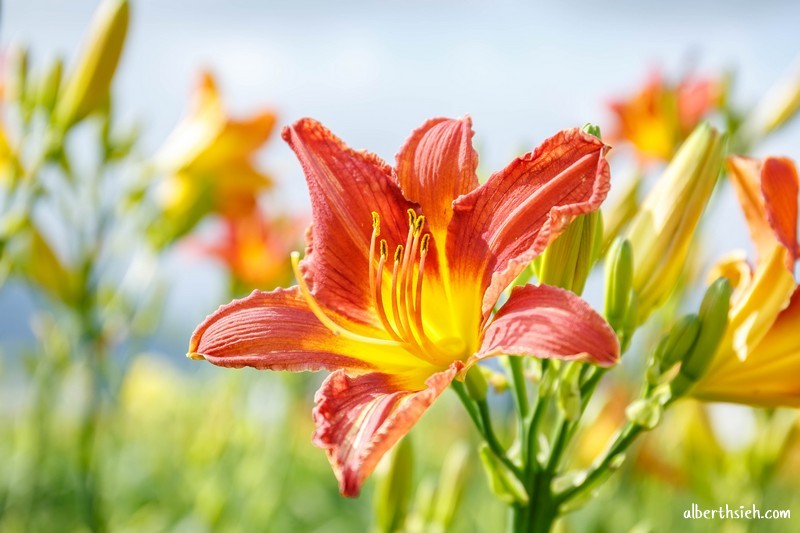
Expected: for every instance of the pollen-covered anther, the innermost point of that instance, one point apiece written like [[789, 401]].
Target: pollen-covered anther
[[376, 224], [376, 231]]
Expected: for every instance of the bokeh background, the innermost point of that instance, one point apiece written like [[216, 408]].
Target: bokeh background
[[198, 449]]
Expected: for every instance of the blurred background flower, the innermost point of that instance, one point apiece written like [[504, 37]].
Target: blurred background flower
[[103, 425]]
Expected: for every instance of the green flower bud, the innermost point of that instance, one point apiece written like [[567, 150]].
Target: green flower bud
[[569, 392], [778, 106], [476, 383], [502, 482], [87, 86], [48, 88], [18, 84], [713, 316], [567, 261], [662, 231], [451, 486], [678, 342], [645, 413], [393, 488], [618, 214], [619, 280]]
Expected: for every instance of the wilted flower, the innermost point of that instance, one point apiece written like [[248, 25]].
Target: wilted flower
[[759, 359], [397, 326], [208, 159], [658, 118]]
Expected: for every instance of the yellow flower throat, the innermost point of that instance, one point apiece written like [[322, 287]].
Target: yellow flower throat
[[399, 310]]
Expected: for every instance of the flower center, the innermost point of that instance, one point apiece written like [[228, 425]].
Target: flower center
[[398, 302]]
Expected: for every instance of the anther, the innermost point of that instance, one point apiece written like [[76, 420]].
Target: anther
[[398, 253], [384, 248], [412, 217], [376, 223], [418, 225], [424, 245]]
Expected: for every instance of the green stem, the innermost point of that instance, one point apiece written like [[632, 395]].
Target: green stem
[[491, 439], [520, 389], [624, 439], [479, 413]]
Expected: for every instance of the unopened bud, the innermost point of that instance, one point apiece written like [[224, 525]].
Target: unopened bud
[[662, 231], [713, 316], [502, 482], [18, 84], [393, 488], [569, 392], [620, 212], [48, 87], [88, 84], [779, 105], [619, 280], [452, 481], [476, 383], [645, 413], [567, 261], [678, 342]]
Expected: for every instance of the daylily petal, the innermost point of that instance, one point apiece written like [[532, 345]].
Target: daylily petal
[[768, 195], [505, 223], [779, 183], [551, 323], [769, 375], [345, 186], [437, 165], [359, 419], [758, 305], [277, 331]]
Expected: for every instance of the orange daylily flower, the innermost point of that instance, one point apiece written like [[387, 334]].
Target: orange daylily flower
[[758, 362], [402, 272], [255, 247], [658, 118], [209, 159]]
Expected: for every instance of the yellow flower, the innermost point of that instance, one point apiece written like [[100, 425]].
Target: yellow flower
[[758, 362], [208, 159]]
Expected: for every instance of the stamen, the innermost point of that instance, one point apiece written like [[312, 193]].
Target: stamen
[[376, 231], [401, 325], [419, 327], [335, 328], [379, 296]]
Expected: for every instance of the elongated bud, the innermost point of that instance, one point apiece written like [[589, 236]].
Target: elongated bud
[[618, 214], [37, 262], [502, 482], [48, 88], [676, 344], [567, 261], [393, 488], [662, 231], [452, 481], [88, 84], [713, 316], [779, 105], [18, 84], [476, 383], [619, 281]]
